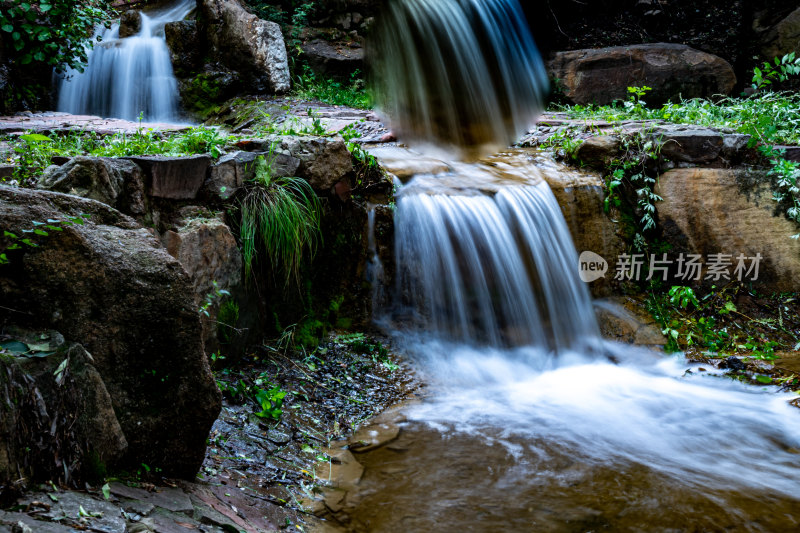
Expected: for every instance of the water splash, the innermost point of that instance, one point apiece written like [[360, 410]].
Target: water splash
[[457, 72], [494, 313], [126, 77]]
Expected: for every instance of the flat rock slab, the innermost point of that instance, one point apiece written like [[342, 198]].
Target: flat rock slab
[[174, 500], [104, 517], [54, 121]]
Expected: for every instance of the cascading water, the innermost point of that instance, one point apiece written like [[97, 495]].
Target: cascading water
[[532, 421], [457, 72], [490, 267], [126, 77]]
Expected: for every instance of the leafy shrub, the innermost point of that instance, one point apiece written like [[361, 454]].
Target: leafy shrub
[[51, 32]]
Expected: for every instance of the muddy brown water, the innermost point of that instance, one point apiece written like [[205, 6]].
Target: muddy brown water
[[437, 480]]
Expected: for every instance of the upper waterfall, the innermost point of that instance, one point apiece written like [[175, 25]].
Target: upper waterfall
[[126, 77], [457, 72]]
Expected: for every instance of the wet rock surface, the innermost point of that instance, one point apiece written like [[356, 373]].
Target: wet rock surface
[[260, 473], [109, 283]]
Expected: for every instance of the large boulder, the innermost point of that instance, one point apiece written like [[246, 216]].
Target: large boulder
[[244, 43], [115, 182], [228, 174], [208, 252], [58, 422], [603, 75], [783, 37], [581, 198], [334, 60], [323, 161], [731, 212], [130, 23], [110, 285], [183, 41], [173, 178]]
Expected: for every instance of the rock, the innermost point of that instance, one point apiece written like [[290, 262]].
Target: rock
[[168, 498], [247, 44], [622, 320], [183, 41], [726, 211], [374, 436], [130, 23], [733, 363], [114, 182], [581, 198], [603, 75], [343, 471], [323, 160], [688, 144], [406, 164], [106, 518], [229, 173], [782, 38], [333, 60], [110, 284], [56, 429], [208, 252], [22, 523], [598, 152], [175, 178]]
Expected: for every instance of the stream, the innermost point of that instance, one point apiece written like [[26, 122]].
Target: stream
[[531, 421]]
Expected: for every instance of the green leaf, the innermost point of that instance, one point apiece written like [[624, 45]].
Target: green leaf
[[35, 137], [41, 232], [8, 28], [106, 491], [61, 367], [764, 379], [15, 347]]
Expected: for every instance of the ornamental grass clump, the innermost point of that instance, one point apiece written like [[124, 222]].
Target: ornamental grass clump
[[280, 223]]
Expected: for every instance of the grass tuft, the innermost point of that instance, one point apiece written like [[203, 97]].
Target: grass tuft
[[280, 216]]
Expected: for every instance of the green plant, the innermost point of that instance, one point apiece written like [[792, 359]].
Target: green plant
[[270, 400], [227, 318], [309, 86], [564, 142], [281, 218], [779, 70], [38, 229], [55, 33], [212, 298], [31, 152], [367, 166], [635, 105]]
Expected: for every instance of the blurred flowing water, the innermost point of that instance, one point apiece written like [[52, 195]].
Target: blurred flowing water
[[457, 72], [531, 421], [126, 77]]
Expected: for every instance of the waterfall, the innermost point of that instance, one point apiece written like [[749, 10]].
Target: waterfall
[[126, 77], [489, 305], [496, 270], [457, 72]]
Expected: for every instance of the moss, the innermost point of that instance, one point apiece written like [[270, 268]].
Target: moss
[[204, 94], [93, 470], [227, 317]]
